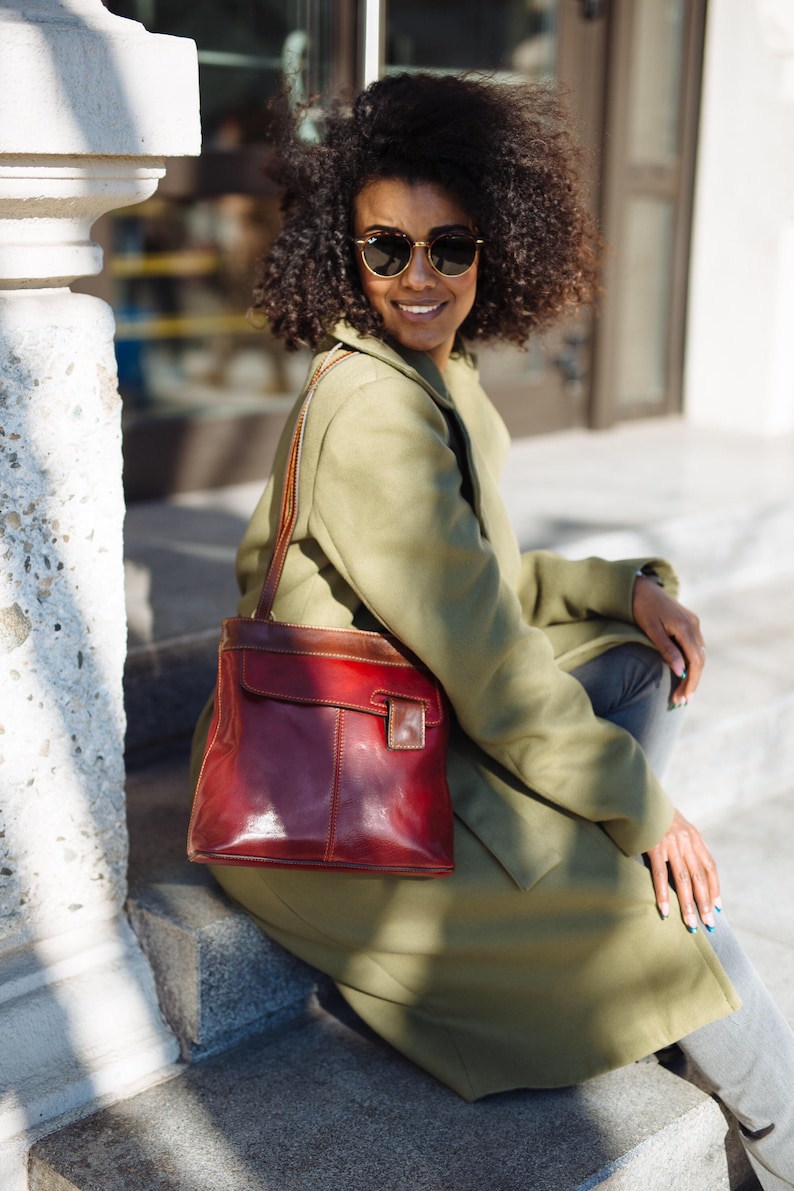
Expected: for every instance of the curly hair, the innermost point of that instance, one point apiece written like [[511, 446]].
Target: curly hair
[[503, 151]]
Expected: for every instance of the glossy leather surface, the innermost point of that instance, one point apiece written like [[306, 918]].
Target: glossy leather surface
[[298, 770]]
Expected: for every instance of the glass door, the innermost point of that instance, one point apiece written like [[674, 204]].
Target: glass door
[[649, 158], [545, 388], [205, 395]]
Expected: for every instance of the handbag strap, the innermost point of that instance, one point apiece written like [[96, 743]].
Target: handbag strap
[[288, 513]]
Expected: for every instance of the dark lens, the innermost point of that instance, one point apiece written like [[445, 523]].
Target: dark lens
[[387, 255], [452, 253]]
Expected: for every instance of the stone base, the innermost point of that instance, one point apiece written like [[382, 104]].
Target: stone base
[[79, 1027]]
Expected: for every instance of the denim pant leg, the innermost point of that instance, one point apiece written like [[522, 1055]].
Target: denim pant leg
[[747, 1059], [631, 686]]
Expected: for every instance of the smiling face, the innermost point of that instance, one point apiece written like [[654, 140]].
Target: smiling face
[[420, 309]]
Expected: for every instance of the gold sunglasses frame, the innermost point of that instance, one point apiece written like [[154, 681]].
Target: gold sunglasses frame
[[361, 243]]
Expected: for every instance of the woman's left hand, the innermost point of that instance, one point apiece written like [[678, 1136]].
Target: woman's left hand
[[675, 631], [682, 854]]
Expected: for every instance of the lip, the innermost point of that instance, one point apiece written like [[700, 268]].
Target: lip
[[419, 312]]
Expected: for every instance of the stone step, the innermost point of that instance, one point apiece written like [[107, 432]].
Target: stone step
[[219, 978], [737, 742], [720, 506], [324, 1106]]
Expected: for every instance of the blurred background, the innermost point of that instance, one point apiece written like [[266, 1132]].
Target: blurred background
[[205, 394]]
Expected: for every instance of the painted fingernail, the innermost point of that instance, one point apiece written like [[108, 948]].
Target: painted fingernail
[[710, 929], [664, 910], [693, 930], [718, 906]]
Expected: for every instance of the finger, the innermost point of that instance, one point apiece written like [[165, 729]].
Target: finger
[[684, 892], [667, 648], [691, 644], [714, 884], [707, 893], [661, 885], [701, 891], [682, 882], [693, 672], [695, 872]]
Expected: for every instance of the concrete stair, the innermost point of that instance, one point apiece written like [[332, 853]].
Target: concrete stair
[[219, 978], [321, 1106], [308, 1099]]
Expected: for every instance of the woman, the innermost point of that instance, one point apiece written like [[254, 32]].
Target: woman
[[445, 210]]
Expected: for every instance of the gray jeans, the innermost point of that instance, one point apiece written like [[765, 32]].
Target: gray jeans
[[746, 1059]]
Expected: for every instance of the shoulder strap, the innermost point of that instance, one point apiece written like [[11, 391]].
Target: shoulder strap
[[288, 514]]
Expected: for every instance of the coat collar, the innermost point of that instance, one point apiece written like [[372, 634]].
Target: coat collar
[[417, 365]]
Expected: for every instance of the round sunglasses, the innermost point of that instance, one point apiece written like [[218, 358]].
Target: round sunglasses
[[387, 254]]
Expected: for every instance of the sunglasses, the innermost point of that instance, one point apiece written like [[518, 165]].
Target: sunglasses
[[388, 254]]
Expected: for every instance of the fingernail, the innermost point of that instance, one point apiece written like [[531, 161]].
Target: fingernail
[[710, 929], [664, 910], [718, 906], [683, 674], [693, 930]]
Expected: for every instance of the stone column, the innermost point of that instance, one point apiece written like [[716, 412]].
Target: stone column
[[90, 105]]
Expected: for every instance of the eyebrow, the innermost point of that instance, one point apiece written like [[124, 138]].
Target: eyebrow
[[434, 231]]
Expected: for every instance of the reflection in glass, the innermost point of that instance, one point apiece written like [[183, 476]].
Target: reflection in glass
[[182, 281], [645, 267], [182, 264], [655, 100], [510, 36], [512, 39], [182, 268]]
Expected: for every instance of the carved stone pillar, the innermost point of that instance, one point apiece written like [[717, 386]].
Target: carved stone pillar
[[90, 105]]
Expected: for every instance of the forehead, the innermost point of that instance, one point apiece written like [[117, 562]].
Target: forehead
[[413, 207]]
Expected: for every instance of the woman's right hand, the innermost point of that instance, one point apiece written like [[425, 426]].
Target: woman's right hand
[[683, 856]]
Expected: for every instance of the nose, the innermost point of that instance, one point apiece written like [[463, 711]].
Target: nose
[[420, 274]]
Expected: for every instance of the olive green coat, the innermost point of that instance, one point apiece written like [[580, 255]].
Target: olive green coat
[[542, 961]]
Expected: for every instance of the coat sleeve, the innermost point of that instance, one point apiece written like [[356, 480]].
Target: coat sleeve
[[386, 509], [555, 590]]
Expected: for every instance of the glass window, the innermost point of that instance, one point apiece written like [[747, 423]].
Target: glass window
[[655, 103], [644, 267], [181, 265], [511, 36]]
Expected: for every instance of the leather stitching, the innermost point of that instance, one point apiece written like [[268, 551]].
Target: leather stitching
[[334, 809]]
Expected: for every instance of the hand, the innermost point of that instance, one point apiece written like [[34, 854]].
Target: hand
[[675, 631], [683, 855]]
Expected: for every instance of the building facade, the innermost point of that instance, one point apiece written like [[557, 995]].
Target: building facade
[[659, 90]]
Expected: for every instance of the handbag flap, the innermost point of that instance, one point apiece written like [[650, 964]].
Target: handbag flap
[[336, 667]]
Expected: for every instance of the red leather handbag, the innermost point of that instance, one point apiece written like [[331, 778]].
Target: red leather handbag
[[327, 747]]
